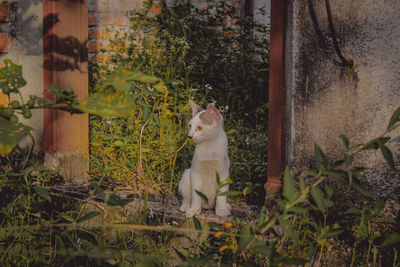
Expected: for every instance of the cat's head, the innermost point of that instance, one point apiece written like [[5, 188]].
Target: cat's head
[[205, 124]]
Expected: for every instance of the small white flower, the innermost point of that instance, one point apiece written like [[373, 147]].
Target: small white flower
[[108, 122], [247, 140], [208, 86]]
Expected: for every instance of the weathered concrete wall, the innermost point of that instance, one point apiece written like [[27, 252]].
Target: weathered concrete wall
[[26, 50], [325, 99]]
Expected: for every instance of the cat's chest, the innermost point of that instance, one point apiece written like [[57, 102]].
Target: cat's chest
[[209, 153]]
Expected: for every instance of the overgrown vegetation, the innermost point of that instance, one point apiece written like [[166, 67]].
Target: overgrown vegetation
[[212, 55], [39, 227]]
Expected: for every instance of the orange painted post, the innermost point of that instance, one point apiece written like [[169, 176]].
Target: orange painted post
[[276, 112], [65, 34]]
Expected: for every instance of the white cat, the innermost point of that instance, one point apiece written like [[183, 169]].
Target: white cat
[[210, 157]]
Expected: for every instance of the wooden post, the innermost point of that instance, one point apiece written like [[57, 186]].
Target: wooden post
[[65, 34], [276, 112]]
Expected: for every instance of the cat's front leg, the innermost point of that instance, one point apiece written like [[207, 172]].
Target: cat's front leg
[[185, 189], [222, 207], [195, 205]]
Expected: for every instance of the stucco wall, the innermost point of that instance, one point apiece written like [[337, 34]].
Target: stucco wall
[[325, 100], [27, 51]]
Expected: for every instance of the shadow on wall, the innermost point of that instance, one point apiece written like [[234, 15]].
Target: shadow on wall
[[28, 29], [62, 53]]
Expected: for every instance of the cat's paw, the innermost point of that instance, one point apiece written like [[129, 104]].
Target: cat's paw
[[184, 208], [223, 210], [192, 212]]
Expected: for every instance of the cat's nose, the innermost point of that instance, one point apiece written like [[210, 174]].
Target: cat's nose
[[190, 136]]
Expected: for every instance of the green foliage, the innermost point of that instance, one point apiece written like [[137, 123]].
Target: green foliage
[[36, 229], [196, 55], [115, 103]]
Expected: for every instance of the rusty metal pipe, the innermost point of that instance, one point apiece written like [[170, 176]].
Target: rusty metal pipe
[[346, 62]]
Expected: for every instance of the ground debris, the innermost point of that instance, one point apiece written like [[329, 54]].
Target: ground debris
[[158, 205]]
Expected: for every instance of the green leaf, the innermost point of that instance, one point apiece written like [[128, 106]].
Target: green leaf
[[66, 99], [89, 216], [215, 225], [294, 261], [68, 218], [287, 227], [145, 109], [361, 189], [118, 202], [328, 190], [218, 179], [297, 210], [302, 185], [245, 237], [373, 144], [320, 158], [363, 228], [262, 248], [43, 192], [337, 173], [319, 199], [182, 253], [378, 207], [348, 159], [312, 172], [9, 135], [11, 78], [230, 193], [387, 154], [204, 197], [345, 141], [98, 190], [262, 217], [395, 118], [333, 234], [392, 239], [145, 261], [328, 203], [370, 145], [124, 80], [289, 190], [197, 224], [109, 105]]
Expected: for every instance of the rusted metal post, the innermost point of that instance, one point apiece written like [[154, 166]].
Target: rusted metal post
[[65, 33], [276, 112]]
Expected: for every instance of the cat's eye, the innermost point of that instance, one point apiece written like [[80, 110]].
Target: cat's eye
[[199, 128]]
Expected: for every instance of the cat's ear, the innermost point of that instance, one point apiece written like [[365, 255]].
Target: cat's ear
[[211, 114], [195, 108]]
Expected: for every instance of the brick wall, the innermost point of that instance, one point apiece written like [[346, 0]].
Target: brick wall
[[6, 17], [104, 15], [6, 39], [111, 14]]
